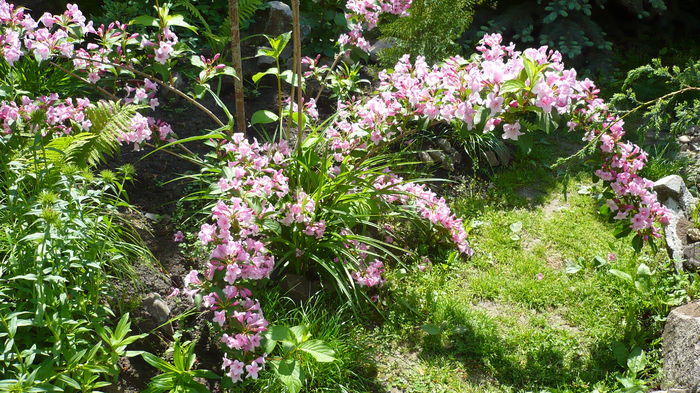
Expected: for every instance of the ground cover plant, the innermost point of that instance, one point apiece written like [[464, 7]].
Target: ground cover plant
[[336, 200]]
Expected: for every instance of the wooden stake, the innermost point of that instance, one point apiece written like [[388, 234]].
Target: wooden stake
[[237, 65]]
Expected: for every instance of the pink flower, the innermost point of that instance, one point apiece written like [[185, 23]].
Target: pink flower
[[539, 276], [178, 237], [512, 131], [220, 317]]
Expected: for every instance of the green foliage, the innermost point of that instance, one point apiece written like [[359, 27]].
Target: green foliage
[[62, 237], [569, 26], [326, 21], [109, 120], [296, 347], [178, 376], [431, 29], [29, 77], [669, 97]]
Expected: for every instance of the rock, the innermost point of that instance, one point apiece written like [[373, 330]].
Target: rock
[[681, 348], [674, 244], [693, 130], [684, 139], [693, 235], [673, 187], [691, 256], [377, 47], [446, 146], [437, 156], [425, 157], [156, 307], [456, 157], [299, 287], [278, 21], [492, 159]]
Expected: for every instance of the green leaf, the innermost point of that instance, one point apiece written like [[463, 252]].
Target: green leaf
[[269, 71], [432, 329], [512, 85], [636, 361], [281, 333], [157, 362], [263, 117], [145, 20], [179, 20], [290, 374], [301, 333], [197, 61], [637, 243], [572, 267], [516, 227], [624, 276], [320, 351]]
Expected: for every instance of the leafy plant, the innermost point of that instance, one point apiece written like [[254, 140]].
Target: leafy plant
[[295, 347], [178, 376], [431, 29]]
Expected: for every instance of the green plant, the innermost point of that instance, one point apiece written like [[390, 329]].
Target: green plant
[[431, 29], [296, 347], [178, 376], [668, 96]]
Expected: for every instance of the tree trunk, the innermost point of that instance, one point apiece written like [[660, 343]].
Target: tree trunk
[[237, 65]]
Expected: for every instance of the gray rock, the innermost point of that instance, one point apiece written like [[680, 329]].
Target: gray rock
[[299, 287], [673, 187], [684, 139], [693, 130], [674, 244], [156, 307], [691, 255], [681, 348], [377, 47], [425, 157], [278, 21], [492, 159], [693, 235], [446, 146]]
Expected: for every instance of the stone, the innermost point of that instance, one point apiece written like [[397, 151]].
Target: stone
[[693, 130], [674, 244], [278, 21], [681, 349], [693, 235], [673, 187], [446, 146], [425, 157], [156, 307], [492, 159], [691, 257], [377, 47], [684, 139]]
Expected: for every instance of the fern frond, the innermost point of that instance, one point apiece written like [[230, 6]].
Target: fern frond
[[109, 120], [192, 9]]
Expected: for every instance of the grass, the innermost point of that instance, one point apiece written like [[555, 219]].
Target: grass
[[511, 318]]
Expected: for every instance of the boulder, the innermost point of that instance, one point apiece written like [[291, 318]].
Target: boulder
[[681, 348], [674, 187], [691, 257], [377, 47], [156, 308], [684, 139], [674, 243], [277, 21]]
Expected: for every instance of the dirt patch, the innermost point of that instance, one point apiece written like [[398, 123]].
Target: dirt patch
[[554, 206]]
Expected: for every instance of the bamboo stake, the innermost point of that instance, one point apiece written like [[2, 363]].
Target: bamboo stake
[[296, 32], [237, 65]]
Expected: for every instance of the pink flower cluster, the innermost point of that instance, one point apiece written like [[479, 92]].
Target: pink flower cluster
[[93, 52], [428, 205], [371, 276], [60, 115], [492, 92], [364, 15]]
